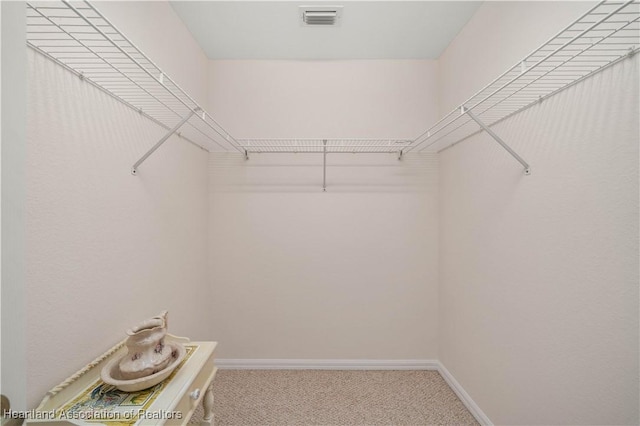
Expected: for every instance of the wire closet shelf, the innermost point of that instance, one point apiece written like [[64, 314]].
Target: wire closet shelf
[[330, 146], [604, 35], [78, 37]]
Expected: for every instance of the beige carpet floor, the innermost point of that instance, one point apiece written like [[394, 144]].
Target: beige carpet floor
[[319, 397]]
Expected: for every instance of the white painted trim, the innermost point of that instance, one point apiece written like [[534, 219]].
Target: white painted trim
[[466, 399], [328, 364]]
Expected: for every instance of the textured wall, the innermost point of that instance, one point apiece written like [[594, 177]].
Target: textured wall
[[14, 82], [350, 273], [499, 35], [539, 274], [332, 99], [156, 29], [347, 274], [105, 249]]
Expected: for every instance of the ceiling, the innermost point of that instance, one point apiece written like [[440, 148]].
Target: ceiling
[[367, 30]]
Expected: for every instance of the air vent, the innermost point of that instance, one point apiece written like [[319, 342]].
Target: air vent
[[325, 16]]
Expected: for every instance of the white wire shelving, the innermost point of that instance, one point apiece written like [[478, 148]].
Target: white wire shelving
[[324, 146], [330, 146], [606, 34], [78, 37]]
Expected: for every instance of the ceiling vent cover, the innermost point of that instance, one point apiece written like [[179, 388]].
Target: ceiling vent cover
[[320, 16]]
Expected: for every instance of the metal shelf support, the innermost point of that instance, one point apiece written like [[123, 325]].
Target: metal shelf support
[[527, 168], [134, 169]]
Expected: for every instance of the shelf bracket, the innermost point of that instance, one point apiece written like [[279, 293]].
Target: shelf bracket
[[324, 165], [527, 168], [134, 169]]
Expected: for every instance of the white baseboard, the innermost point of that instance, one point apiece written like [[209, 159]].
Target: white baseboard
[[466, 399], [327, 364]]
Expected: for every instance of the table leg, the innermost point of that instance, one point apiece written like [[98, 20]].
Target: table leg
[[207, 403]]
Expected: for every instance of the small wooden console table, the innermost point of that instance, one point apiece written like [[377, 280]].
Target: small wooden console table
[[84, 399]]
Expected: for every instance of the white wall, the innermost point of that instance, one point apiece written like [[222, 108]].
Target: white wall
[[333, 99], [539, 274], [539, 280], [346, 274], [106, 249], [500, 34], [155, 28], [14, 81]]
